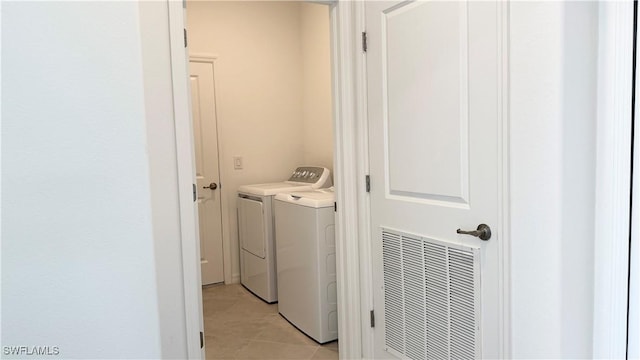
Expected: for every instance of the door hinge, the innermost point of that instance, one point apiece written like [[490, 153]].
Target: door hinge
[[335, 206], [372, 318], [195, 192], [185, 37], [364, 41], [367, 180], [201, 339]]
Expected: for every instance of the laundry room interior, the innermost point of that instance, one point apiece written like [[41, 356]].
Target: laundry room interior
[[261, 92]]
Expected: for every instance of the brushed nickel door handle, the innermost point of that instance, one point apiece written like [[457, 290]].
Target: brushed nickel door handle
[[483, 232], [211, 186]]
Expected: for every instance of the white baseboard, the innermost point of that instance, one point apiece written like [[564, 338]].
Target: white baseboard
[[235, 279]]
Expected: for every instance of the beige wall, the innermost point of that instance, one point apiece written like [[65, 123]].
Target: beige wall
[[316, 85], [268, 109]]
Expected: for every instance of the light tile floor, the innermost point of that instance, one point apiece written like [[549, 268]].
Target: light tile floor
[[238, 325]]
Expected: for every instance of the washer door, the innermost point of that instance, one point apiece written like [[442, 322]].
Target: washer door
[[251, 226]]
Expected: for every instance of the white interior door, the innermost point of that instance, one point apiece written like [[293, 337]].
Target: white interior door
[[433, 91], [207, 171]]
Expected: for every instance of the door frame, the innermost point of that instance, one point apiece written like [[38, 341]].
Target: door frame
[[350, 167], [613, 180], [224, 207], [350, 164], [633, 327], [353, 247], [347, 23]]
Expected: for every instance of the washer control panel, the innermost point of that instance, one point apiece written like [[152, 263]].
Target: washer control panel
[[308, 174]]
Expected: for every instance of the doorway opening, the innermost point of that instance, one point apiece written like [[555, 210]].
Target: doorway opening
[[260, 76]]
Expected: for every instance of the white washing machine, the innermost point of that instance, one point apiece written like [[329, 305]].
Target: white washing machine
[[306, 251], [256, 228]]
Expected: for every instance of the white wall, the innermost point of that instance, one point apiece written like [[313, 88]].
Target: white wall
[[553, 53], [86, 263], [273, 95]]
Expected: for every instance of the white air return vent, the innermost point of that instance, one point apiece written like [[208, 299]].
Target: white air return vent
[[431, 297]]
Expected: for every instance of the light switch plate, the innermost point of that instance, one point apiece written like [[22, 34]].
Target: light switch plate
[[237, 162]]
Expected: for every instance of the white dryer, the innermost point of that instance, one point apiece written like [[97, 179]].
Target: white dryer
[[306, 251], [256, 228]]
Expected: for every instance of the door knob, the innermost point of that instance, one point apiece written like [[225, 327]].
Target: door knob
[[211, 186], [483, 232]]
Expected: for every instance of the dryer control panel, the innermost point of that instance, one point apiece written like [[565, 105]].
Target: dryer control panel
[[311, 175]]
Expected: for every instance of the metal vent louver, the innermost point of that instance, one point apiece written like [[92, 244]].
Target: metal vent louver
[[431, 297]]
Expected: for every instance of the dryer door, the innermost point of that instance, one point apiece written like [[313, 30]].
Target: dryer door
[[251, 225]]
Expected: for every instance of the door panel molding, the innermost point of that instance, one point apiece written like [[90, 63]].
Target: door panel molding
[[406, 132], [504, 183]]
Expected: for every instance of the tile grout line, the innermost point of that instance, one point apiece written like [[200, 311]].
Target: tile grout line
[[315, 352], [238, 299]]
